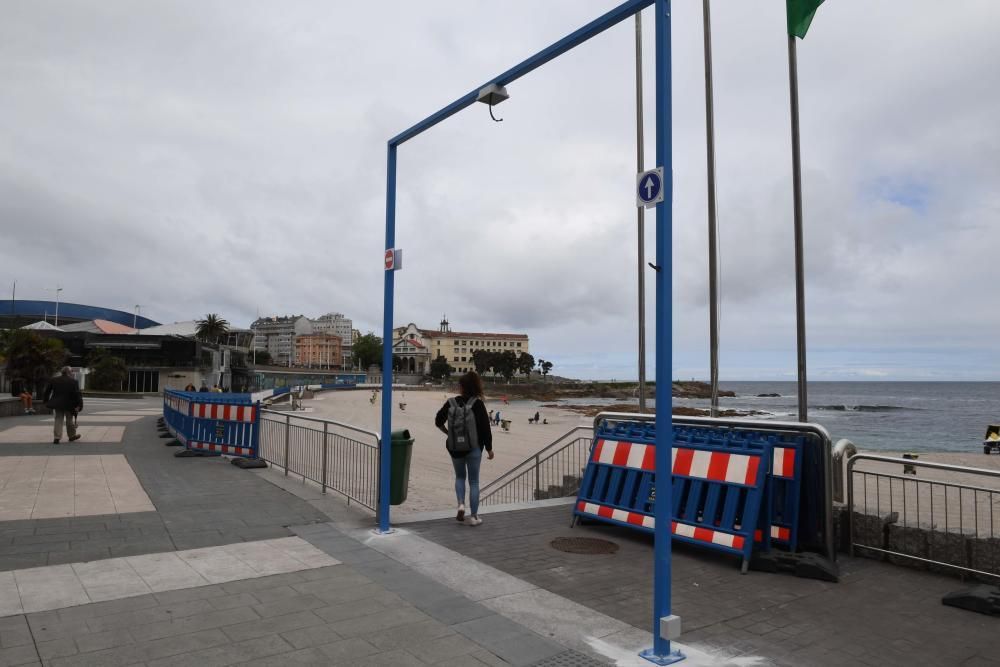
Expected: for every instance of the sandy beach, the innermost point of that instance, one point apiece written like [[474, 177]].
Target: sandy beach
[[432, 476], [431, 472]]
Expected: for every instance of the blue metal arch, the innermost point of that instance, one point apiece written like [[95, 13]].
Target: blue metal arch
[[661, 652]]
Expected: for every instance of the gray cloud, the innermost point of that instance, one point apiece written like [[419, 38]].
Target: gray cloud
[[223, 157]]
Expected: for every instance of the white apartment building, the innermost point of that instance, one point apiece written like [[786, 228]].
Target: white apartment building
[[276, 336], [338, 325]]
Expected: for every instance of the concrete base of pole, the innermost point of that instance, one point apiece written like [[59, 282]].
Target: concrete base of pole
[[668, 659]]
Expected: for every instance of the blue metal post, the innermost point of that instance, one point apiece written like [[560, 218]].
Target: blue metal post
[[661, 653], [386, 445]]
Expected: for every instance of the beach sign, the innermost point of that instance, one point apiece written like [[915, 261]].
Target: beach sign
[[649, 188]]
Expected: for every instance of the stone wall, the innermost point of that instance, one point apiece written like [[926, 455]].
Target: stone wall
[[980, 552], [10, 406]]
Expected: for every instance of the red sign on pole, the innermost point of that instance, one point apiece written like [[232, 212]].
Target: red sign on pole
[[390, 259]]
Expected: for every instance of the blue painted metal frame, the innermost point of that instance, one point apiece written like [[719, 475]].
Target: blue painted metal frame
[[661, 652]]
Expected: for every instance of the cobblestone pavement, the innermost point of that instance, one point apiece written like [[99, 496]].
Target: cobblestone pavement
[[879, 614], [200, 502], [369, 609], [441, 593]]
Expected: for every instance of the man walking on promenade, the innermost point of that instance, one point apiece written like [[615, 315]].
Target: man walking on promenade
[[64, 398]]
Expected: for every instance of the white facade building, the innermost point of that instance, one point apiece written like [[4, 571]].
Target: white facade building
[[338, 325], [276, 336]]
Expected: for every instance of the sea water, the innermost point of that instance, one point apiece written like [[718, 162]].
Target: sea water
[[887, 416]]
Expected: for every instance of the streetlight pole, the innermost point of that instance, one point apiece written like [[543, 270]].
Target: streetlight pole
[[135, 318], [57, 290]]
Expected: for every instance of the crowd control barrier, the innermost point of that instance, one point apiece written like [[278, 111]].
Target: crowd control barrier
[[718, 485], [737, 487], [213, 424]]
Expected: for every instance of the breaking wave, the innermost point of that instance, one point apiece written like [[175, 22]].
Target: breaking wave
[[862, 408]]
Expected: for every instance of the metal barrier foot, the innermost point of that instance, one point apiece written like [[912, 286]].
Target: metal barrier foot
[[190, 453], [247, 464], [980, 599], [807, 565], [174, 443]]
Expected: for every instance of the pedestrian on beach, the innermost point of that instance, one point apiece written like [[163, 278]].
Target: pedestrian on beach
[[189, 387], [536, 416], [203, 389], [63, 397], [464, 420], [496, 418]]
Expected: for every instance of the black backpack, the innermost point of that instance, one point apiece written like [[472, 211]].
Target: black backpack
[[462, 433]]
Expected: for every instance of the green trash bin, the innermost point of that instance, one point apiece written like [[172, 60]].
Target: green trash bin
[[399, 477]]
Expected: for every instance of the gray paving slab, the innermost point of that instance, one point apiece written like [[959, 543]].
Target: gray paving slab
[[194, 501], [869, 617]]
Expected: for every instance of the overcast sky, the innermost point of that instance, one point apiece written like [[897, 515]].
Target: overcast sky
[[229, 157]]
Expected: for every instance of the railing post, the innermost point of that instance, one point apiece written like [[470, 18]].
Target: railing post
[[537, 487], [326, 427], [288, 428]]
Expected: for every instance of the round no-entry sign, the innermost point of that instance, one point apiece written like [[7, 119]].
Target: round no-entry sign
[[390, 258]]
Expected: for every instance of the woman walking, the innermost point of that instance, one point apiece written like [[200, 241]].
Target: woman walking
[[468, 431]]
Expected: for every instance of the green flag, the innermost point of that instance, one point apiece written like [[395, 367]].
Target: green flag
[[800, 15]]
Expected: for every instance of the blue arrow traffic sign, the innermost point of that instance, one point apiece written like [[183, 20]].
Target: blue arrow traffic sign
[[649, 188]]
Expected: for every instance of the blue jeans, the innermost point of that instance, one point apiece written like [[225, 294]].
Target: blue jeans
[[468, 466]]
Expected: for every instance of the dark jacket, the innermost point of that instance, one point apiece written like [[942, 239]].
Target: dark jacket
[[63, 393], [482, 423]]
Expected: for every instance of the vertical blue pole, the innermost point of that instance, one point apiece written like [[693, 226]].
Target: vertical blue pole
[[661, 653], [386, 445]]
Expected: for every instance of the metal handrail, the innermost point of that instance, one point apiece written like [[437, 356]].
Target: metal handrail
[[950, 467], [852, 463], [356, 429], [342, 477], [844, 449], [536, 458]]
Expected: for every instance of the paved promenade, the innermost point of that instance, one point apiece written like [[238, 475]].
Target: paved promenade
[[231, 566]]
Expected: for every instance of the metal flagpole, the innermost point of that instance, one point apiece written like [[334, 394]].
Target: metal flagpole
[[640, 166], [800, 292], [713, 266]]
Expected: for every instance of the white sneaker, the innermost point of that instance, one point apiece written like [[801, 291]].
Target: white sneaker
[[461, 513], [474, 521]]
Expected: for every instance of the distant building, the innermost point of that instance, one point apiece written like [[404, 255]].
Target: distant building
[[18, 313], [318, 350], [276, 336], [340, 326], [419, 347]]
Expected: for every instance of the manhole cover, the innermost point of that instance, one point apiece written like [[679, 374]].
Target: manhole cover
[[584, 545]]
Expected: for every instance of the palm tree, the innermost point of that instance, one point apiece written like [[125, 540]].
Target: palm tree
[[212, 328]]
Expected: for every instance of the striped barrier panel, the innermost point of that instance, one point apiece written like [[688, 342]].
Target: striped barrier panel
[[779, 516], [718, 489], [213, 424], [779, 523]]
